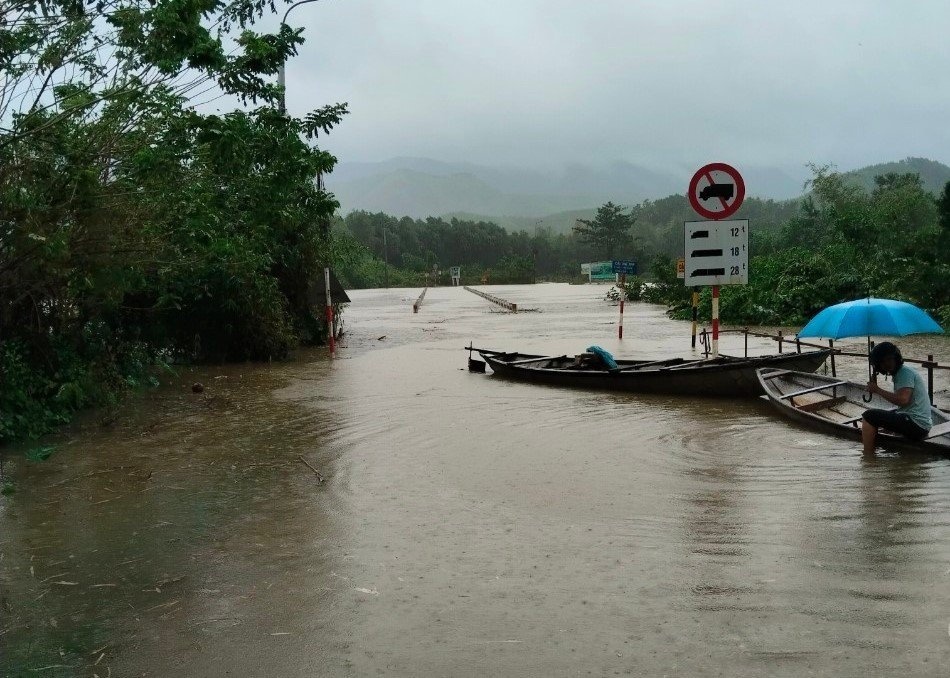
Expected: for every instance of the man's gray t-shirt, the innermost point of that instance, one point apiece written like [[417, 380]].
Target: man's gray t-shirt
[[918, 409]]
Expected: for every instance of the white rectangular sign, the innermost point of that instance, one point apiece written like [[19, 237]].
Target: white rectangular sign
[[717, 253]]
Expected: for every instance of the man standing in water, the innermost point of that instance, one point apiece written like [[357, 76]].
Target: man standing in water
[[912, 416]]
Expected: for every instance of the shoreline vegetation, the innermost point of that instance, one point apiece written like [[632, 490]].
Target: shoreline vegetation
[[136, 230]]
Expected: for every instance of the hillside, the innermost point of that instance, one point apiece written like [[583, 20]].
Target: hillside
[[421, 194], [934, 175], [525, 199]]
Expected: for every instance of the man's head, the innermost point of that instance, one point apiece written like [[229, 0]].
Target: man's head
[[886, 358]]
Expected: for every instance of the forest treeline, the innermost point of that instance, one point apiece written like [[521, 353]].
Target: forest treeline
[[484, 250], [135, 229], [839, 242], [844, 243]]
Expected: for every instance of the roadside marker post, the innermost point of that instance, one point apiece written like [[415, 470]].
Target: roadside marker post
[[623, 267], [623, 294]]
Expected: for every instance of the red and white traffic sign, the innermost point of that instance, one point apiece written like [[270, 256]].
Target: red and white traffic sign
[[716, 191]]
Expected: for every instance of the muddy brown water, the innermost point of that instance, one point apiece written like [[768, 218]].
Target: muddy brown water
[[466, 525]]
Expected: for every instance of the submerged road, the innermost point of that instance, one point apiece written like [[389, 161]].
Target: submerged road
[[390, 513]]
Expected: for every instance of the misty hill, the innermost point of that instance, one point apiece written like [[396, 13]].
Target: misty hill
[[933, 174], [523, 199], [420, 194], [421, 187]]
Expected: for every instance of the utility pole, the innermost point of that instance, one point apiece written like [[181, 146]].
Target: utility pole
[[281, 74], [385, 258], [282, 81]]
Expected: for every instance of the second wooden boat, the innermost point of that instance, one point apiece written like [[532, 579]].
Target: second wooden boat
[[724, 376], [836, 406]]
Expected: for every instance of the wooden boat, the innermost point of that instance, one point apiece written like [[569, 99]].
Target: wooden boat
[[723, 376], [836, 406]]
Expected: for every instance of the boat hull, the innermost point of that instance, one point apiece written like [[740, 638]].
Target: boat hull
[[725, 377]]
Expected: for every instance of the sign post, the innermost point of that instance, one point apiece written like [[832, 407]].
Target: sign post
[[326, 279], [695, 316], [715, 192], [623, 268]]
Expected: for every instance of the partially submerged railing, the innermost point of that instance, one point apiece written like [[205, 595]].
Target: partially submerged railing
[[929, 364], [418, 302], [504, 303]]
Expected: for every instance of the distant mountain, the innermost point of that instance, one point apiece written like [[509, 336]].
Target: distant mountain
[[420, 187], [519, 198], [934, 175], [409, 192]]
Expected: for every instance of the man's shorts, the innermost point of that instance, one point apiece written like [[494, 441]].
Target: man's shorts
[[898, 422]]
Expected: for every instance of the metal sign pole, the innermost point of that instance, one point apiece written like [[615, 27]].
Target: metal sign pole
[[326, 279], [695, 315], [715, 321]]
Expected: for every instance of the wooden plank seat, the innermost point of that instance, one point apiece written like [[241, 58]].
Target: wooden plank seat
[[642, 365], [682, 365], [823, 404], [939, 430], [813, 389], [532, 360]]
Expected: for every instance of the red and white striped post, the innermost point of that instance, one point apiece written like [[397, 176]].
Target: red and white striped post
[[623, 295], [715, 321], [326, 280]]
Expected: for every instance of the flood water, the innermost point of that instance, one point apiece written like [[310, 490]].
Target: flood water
[[470, 526]]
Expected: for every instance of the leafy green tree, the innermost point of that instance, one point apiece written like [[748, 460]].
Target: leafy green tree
[[609, 232], [943, 209], [133, 226]]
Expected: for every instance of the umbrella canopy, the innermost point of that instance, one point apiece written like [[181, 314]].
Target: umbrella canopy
[[870, 316]]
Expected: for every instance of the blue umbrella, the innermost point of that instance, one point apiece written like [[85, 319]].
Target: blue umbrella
[[870, 316]]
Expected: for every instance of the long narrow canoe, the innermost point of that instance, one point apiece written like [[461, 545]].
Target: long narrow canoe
[[723, 376], [836, 406]]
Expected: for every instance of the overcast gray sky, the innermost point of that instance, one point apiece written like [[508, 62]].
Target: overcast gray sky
[[667, 84]]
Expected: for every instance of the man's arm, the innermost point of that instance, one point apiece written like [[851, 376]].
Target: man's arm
[[901, 398]]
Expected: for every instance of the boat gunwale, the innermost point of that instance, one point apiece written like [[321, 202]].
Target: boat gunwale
[[726, 362]]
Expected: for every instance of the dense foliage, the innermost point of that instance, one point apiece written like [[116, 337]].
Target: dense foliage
[[608, 233], [485, 250], [406, 250], [133, 228], [843, 244]]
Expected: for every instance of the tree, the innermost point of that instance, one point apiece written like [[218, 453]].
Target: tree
[[943, 210], [609, 232], [134, 228]]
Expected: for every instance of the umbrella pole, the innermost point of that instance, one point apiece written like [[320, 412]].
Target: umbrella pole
[[866, 397]]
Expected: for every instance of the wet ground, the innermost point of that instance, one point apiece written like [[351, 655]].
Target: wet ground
[[390, 513]]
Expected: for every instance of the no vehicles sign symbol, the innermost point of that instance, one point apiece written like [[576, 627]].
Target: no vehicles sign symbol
[[716, 191]]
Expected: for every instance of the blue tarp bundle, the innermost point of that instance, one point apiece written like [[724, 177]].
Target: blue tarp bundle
[[604, 355]]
